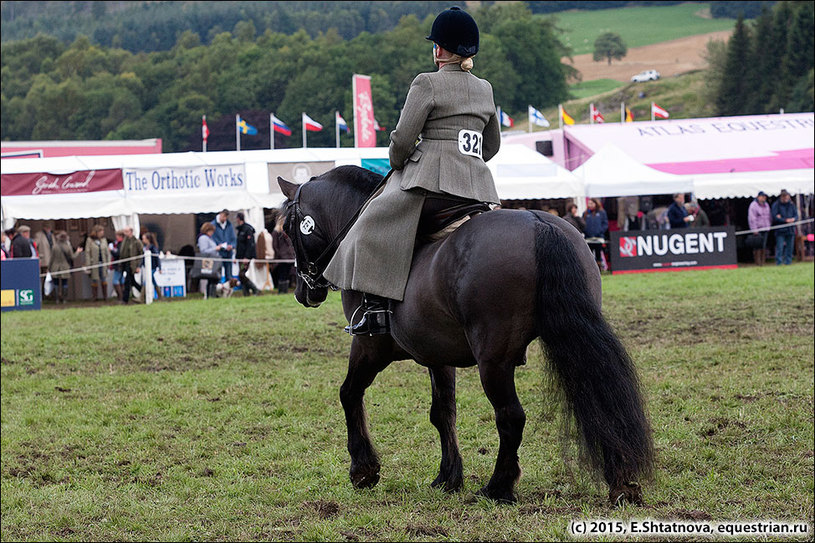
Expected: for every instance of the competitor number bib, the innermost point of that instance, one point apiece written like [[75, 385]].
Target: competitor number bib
[[469, 143]]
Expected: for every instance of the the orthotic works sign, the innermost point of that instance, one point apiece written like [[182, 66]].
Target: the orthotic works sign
[[180, 180], [663, 250]]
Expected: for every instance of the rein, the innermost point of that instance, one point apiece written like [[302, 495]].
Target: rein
[[312, 276]]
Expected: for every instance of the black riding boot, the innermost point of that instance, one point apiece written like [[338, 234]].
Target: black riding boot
[[375, 318]]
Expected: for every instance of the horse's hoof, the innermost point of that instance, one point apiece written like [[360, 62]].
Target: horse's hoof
[[507, 498], [447, 485], [630, 492], [365, 477]]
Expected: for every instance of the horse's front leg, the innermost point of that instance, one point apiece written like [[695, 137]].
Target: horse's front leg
[[443, 417], [369, 356], [498, 380]]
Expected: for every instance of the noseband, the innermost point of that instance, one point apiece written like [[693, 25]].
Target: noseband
[[312, 271]]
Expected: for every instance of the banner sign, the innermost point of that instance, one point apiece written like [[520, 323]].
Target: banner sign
[[172, 279], [379, 165], [26, 184], [295, 172], [20, 284], [180, 180], [680, 249], [364, 130]]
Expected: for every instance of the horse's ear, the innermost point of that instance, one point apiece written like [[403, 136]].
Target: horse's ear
[[289, 189]]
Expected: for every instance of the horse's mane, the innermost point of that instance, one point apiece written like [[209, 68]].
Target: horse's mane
[[358, 177]]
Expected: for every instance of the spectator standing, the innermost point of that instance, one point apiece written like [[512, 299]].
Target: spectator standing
[[62, 260], [224, 236], [677, 214], [131, 247], [208, 248], [573, 218], [245, 250], [4, 253], [283, 250], [596, 228], [265, 251], [118, 276], [9, 235], [97, 255], [784, 212], [45, 241], [22, 245], [700, 219], [148, 240], [759, 219]]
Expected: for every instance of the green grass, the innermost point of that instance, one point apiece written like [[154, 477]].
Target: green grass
[[586, 89], [220, 420], [637, 26]]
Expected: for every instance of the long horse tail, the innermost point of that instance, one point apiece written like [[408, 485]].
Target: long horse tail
[[591, 368]]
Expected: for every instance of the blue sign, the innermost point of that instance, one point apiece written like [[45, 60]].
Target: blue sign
[[378, 165], [20, 284]]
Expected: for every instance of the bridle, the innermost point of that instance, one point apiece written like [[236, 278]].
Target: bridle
[[312, 271]]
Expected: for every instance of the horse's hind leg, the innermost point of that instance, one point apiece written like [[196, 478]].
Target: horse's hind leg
[[443, 417], [498, 380], [367, 359]]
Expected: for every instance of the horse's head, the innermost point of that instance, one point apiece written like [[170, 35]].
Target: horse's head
[[309, 241]]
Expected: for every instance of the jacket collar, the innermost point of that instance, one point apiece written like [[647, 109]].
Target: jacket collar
[[455, 67]]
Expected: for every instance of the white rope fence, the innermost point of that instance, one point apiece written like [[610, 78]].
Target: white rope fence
[[776, 227]]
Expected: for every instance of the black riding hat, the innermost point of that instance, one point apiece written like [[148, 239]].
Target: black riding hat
[[456, 31]]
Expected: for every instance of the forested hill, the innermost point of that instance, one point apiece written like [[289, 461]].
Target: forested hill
[[140, 26]]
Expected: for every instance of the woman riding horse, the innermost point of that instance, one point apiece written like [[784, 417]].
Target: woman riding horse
[[452, 114]]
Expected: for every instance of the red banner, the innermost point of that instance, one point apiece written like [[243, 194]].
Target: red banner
[[364, 131], [26, 184]]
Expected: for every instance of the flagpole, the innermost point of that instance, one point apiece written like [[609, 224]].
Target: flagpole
[[529, 118], [237, 132], [271, 131], [337, 127], [652, 111], [560, 115], [500, 120], [303, 121], [591, 113], [205, 139]]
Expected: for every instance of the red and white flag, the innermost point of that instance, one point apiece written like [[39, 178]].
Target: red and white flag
[[310, 124], [596, 116], [204, 129], [377, 127], [657, 111]]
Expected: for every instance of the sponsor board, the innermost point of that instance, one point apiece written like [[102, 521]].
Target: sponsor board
[[20, 288], [663, 250], [172, 280]]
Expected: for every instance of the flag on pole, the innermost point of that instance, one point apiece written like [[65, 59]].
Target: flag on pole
[[596, 116], [537, 118], [204, 129], [657, 111], [566, 118], [506, 120], [280, 127], [310, 124], [629, 117], [244, 127], [377, 127], [341, 124]]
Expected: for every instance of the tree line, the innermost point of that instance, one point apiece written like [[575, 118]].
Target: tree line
[[54, 91], [766, 66]]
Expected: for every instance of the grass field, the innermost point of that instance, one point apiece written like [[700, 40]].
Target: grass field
[[220, 420], [586, 89], [637, 25]]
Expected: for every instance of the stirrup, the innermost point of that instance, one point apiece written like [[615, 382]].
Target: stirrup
[[375, 318]]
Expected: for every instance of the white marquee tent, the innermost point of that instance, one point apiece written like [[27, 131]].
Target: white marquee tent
[[521, 173], [611, 172]]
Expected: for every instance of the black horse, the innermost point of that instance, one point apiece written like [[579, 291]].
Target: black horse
[[499, 281]]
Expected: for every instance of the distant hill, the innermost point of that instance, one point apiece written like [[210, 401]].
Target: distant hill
[[142, 26]]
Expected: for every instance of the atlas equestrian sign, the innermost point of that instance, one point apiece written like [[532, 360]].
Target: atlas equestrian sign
[[660, 250]]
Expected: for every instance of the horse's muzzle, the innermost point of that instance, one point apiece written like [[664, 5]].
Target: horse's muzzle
[[310, 297]]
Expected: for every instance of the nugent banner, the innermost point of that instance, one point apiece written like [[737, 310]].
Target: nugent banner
[[364, 130], [665, 250], [32, 184]]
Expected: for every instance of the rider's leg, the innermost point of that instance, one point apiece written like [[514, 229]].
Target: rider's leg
[[375, 317]]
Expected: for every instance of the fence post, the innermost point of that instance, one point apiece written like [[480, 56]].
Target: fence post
[[147, 285]]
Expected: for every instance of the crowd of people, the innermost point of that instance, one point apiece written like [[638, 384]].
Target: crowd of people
[[121, 260]]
